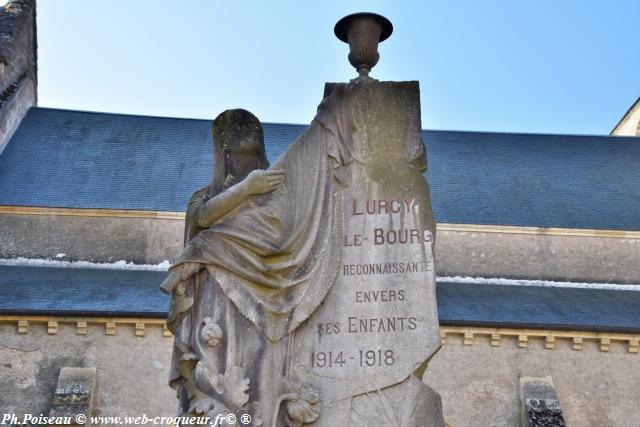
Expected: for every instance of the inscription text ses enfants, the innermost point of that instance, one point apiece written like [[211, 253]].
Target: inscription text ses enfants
[[358, 325]]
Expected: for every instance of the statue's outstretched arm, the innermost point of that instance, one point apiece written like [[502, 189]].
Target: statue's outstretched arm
[[206, 214]]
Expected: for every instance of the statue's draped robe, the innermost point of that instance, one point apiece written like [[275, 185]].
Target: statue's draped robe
[[276, 256]]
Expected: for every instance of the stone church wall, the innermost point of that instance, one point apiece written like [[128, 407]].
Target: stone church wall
[[478, 382], [138, 240], [595, 259], [610, 258]]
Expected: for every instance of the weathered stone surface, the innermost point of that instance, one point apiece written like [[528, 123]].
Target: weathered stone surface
[[320, 290], [138, 240], [538, 257], [74, 393], [222, 362], [379, 322], [18, 78], [467, 254], [539, 403], [479, 384], [30, 365], [151, 241], [607, 396], [410, 404]]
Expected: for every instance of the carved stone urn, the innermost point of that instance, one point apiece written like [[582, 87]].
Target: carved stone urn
[[363, 32]]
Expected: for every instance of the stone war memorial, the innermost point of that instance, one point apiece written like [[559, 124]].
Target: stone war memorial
[[305, 293], [227, 271]]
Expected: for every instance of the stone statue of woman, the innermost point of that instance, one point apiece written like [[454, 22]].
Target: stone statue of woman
[[214, 344]]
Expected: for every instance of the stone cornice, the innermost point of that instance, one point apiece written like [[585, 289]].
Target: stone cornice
[[522, 336], [497, 336], [461, 228]]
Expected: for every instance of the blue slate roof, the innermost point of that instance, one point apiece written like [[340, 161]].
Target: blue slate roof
[[76, 159], [94, 292]]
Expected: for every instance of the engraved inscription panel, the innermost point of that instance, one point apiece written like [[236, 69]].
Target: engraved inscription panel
[[379, 322]]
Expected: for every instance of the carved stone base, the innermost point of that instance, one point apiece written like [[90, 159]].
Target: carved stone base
[[411, 403]]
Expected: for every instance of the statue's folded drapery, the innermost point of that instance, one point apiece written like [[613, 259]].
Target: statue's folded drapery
[[277, 255]]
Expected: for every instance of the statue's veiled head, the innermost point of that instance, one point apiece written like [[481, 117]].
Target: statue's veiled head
[[238, 146]]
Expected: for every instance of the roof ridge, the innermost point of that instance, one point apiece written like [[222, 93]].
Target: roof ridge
[[563, 135], [39, 108], [145, 115]]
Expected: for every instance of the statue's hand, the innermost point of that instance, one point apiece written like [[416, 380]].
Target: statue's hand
[[179, 274], [263, 181]]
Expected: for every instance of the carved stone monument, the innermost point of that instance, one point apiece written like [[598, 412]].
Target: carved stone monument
[[305, 294]]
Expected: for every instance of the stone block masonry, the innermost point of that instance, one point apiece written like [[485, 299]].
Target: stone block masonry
[[18, 65]]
